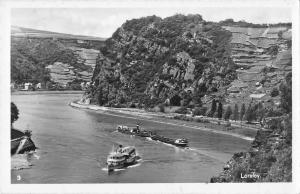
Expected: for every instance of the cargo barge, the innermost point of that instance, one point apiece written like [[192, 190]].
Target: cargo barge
[[180, 142]]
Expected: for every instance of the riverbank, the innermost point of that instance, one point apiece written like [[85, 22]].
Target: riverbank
[[46, 92], [170, 118]]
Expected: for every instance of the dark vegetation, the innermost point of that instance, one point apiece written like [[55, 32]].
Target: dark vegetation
[[14, 113], [242, 23], [270, 155]]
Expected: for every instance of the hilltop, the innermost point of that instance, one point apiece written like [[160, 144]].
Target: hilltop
[[17, 31]]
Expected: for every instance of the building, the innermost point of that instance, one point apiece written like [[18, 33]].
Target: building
[[27, 86], [38, 86]]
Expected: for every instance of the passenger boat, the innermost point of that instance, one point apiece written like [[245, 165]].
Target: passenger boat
[[21, 141], [181, 142], [121, 158]]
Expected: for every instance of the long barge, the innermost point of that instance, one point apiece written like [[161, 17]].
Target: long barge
[[180, 142]]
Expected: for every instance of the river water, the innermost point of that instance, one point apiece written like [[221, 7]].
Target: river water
[[74, 143]]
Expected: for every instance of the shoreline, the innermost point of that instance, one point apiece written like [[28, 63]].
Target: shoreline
[[40, 92], [154, 117]]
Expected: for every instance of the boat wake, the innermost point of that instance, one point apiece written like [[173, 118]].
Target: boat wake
[[116, 170], [213, 155], [23, 161]]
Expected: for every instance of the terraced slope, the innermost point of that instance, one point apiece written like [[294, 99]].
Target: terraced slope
[[263, 56]]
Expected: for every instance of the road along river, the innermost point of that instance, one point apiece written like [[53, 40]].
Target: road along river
[[74, 143]]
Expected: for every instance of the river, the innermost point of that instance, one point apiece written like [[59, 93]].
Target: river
[[74, 143]]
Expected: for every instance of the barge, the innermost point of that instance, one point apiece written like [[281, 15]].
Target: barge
[[180, 142]]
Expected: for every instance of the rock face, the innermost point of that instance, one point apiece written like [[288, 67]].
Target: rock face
[[154, 59], [40, 56]]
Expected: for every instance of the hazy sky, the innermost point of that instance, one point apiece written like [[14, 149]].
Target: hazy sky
[[102, 22]]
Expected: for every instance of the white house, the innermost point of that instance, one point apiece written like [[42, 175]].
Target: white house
[[38, 86], [27, 85]]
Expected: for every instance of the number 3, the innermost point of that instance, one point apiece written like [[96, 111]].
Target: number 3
[[18, 177]]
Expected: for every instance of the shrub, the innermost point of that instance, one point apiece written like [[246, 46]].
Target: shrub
[[14, 112], [274, 92], [200, 111], [201, 120], [132, 105], [228, 124], [161, 107], [182, 110]]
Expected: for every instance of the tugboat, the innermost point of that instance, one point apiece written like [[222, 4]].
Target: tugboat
[[181, 142], [21, 141], [121, 158]]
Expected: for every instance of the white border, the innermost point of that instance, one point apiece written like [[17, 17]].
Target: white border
[[7, 187]]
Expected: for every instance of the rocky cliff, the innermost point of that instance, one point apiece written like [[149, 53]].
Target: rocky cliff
[[151, 60], [41, 56]]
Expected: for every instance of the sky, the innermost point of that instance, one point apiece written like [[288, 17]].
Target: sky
[[102, 22]]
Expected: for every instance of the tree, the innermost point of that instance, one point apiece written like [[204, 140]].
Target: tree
[[197, 98], [285, 89], [14, 112], [274, 92], [260, 112], [236, 112], [213, 108], [228, 112], [243, 110], [220, 110], [249, 115], [186, 98]]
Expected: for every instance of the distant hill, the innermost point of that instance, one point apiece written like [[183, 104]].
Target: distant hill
[[58, 58], [33, 33]]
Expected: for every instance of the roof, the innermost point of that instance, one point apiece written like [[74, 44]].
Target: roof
[[116, 154], [250, 77], [257, 95], [237, 84]]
